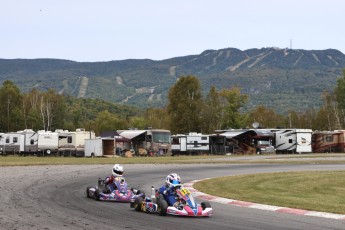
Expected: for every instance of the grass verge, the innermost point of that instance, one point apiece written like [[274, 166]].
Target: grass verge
[[32, 160], [322, 191], [215, 159]]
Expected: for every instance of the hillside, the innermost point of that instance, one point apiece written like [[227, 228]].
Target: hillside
[[282, 79]]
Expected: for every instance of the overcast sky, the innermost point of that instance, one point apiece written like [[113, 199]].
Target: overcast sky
[[90, 30]]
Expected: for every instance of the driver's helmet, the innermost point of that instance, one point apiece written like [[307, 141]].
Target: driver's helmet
[[117, 170], [173, 179]]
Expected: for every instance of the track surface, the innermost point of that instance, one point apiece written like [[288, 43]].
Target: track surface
[[53, 197]]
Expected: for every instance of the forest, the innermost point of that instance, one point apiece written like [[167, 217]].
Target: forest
[[186, 111]]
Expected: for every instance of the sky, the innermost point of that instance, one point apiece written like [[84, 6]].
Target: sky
[[93, 31]]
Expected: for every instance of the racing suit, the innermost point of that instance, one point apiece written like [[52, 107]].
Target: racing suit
[[169, 196], [110, 181]]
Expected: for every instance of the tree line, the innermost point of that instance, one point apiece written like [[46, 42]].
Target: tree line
[[187, 111]]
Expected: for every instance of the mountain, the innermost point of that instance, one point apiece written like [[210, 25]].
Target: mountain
[[281, 79]]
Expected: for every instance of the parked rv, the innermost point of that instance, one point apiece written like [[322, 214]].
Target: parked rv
[[245, 141], [146, 142], [72, 143], [191, 143], [292, 140], [328, 141], [21, 142], [12, 143], [47, 143]]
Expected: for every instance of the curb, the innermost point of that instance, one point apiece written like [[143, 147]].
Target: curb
[[265, 207]]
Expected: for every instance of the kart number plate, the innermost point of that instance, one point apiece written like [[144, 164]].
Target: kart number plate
[[185, 191]]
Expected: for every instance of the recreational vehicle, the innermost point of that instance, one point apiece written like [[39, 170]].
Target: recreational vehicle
[[47, 143], [146, 142], [73, 143], [245, 141], [192, 143], [341, 141], [12, 143], [328, 141], [292, 140], [21, 142]]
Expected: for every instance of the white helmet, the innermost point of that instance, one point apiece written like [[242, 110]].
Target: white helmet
[[117, 170], [173, 179]]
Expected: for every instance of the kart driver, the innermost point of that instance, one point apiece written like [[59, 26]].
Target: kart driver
[[117, 171], [168, 191]]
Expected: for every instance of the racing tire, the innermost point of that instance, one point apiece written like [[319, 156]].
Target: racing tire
[[97, 194], [205, 205], [162, 206], [87, 191], [140, 192], [137, 203]]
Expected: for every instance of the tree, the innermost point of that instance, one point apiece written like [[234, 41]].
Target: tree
[[10, 111], [138, 122], [332, 114], [43, 110], [157, 118], [106, 121], [266, 117], [211, 112], [184, 106], [231, 102], [340, 91], [30, 107]]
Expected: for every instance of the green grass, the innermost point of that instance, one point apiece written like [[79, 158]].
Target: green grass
[[317, 191], [217, 159], [32, 160]]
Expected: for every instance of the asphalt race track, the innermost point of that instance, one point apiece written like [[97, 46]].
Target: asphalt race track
[[53, 197]]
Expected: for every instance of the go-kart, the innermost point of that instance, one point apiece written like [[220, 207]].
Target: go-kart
[[120, 194], [187, 206]]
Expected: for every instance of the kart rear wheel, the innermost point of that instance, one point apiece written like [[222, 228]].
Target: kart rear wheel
[[137, 203], [162, 206], [87, 191], [205, 205]]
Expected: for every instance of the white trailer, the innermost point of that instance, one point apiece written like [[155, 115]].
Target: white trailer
[[47, 142], [73, 143], [99, 147], [29, 141], [192, 143], [293, 140], [12, 143]]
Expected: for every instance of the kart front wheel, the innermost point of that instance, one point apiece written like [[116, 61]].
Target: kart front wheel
[[162, 206], [137, 203], [87, 191], [205, 205]]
